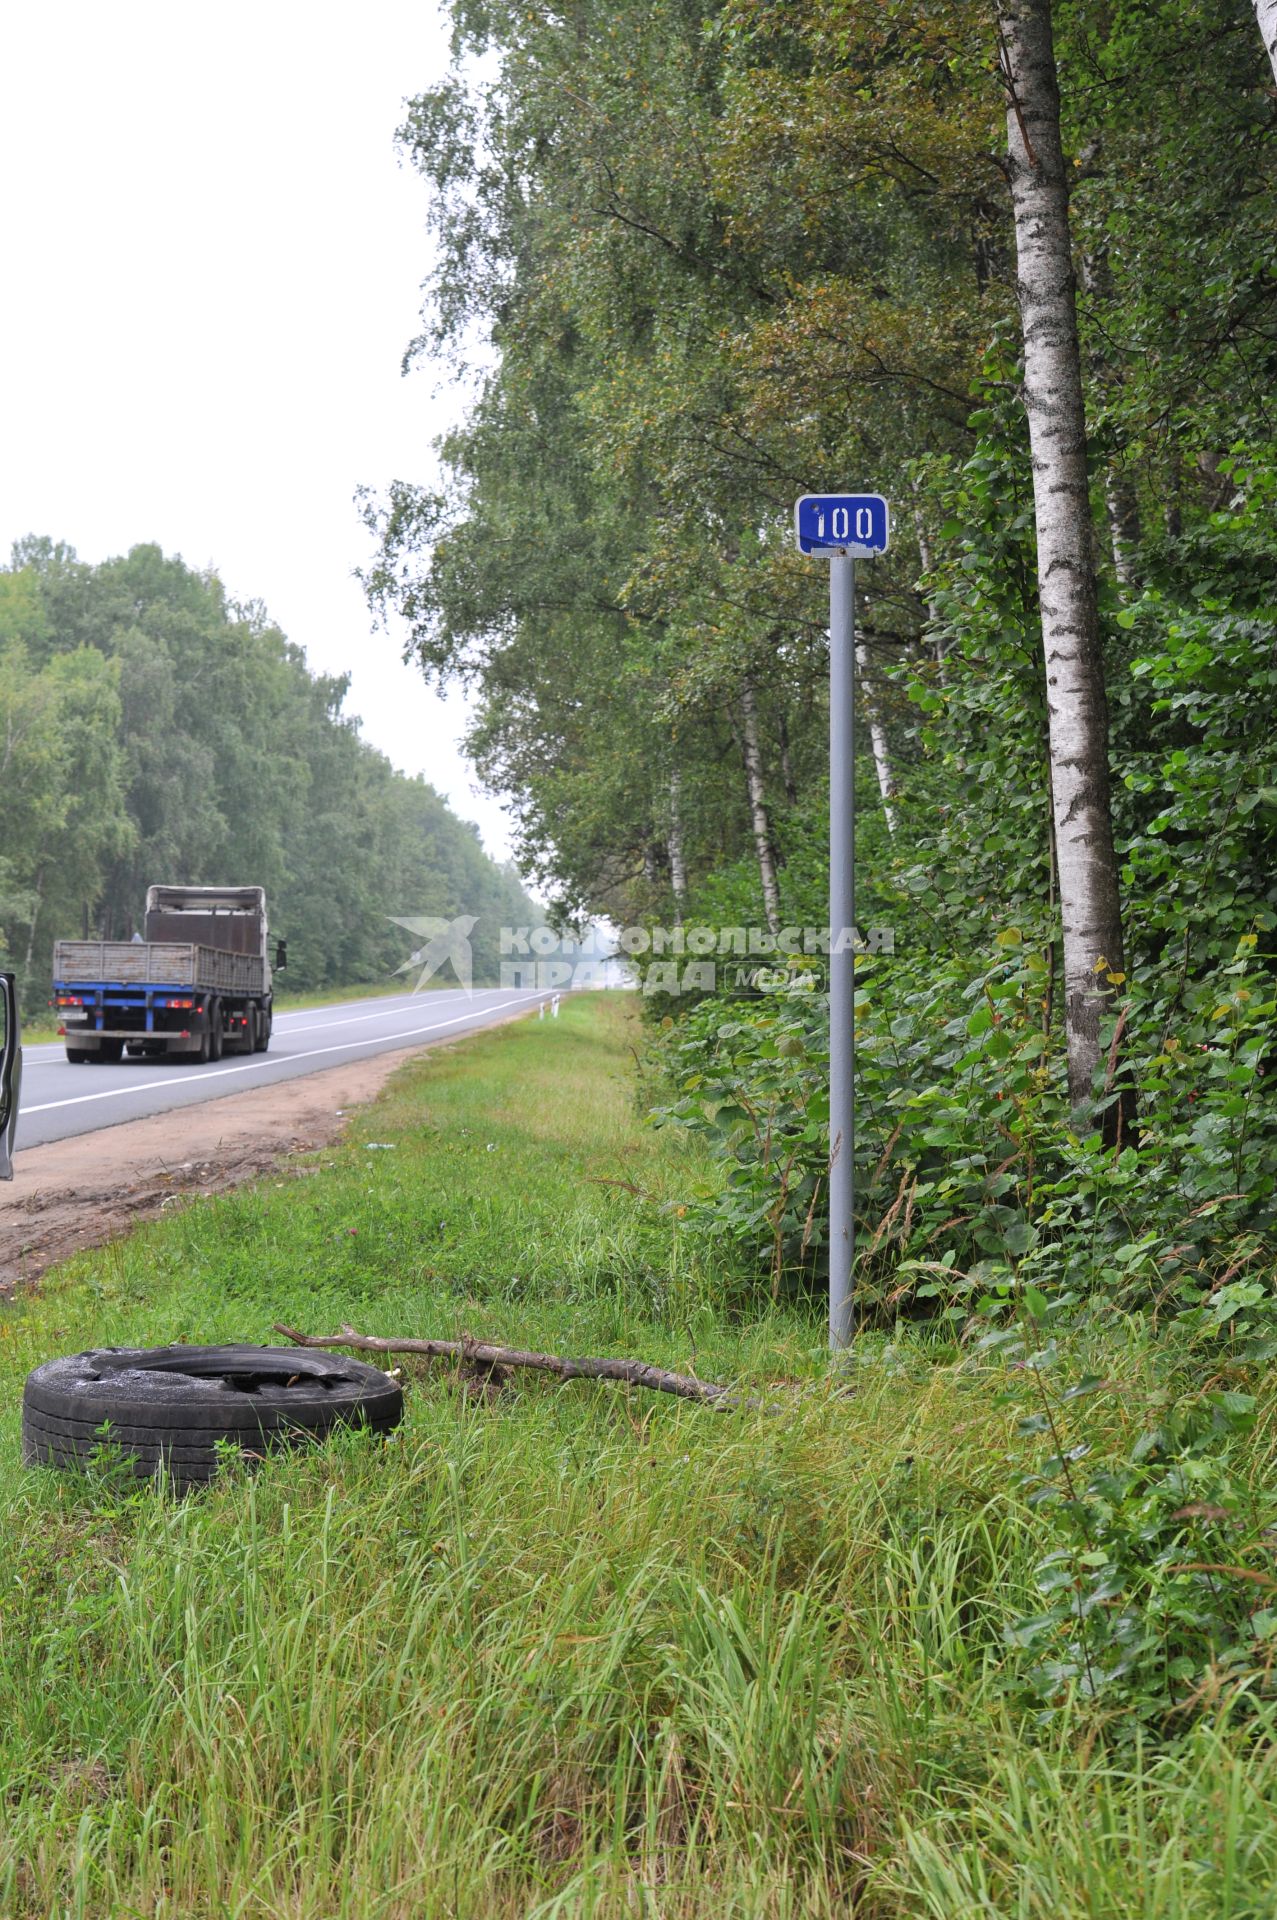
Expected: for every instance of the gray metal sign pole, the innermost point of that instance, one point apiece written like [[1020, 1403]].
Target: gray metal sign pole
[[842, 959], [838, 527]]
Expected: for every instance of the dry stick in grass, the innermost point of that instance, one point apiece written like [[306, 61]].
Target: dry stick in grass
[[634, 1373]]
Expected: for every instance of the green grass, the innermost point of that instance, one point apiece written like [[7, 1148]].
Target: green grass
[[36, 1032], [568, 1650]]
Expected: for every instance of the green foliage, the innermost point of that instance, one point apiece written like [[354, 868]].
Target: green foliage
[[970, 1167], [553, 1649], [968, 1170], [754, 1087], [1156, 1594], [154, 732], [725, 258], [1201, 767]]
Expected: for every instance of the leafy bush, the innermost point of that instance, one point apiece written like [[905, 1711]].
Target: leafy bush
[[753, 1081], [968, 1171], [971, 1169], [1155, 1587]]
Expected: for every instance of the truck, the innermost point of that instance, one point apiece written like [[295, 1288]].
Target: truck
[[197, 982]]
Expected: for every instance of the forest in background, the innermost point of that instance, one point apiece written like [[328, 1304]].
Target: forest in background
[[979, 1619], [723, 255], [153, 730]]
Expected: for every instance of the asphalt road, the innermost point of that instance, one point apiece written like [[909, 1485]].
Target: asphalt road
[[59, 1099]]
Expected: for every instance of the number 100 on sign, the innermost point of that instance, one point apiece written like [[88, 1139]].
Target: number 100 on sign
[[854, 523]]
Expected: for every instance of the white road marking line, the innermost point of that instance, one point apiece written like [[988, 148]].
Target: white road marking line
[[381, 1000], [55, 1050], [250, 1066], [326, 1026]]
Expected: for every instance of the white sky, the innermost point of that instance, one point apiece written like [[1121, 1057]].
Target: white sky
[[213, 261]]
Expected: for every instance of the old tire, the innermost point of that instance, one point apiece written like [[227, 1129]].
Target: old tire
[[175, 1405]]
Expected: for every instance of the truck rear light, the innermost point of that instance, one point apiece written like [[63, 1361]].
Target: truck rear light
[[70, 1000], [61, 1032]]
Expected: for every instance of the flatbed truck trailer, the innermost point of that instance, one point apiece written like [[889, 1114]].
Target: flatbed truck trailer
[[198, 984]]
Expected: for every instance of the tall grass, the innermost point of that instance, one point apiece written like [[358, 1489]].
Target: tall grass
[[554, 1650]]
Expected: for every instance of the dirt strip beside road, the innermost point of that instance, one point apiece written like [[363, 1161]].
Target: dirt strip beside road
[[81, 1192]]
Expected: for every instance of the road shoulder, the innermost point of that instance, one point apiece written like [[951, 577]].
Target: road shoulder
[[81, 1192]]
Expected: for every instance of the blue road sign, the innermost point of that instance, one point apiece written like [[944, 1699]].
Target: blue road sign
[[854, 523]]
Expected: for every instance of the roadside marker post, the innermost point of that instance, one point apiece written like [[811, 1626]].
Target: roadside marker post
[[843, 528]]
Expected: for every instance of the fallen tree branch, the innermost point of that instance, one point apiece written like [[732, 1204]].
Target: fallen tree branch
[[634, 1373]]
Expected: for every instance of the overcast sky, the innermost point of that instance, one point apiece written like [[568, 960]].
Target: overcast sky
[[213, 261]]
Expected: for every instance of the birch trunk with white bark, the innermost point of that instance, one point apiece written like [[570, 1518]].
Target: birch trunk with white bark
[[1076, 703], [1123, 512], [928, 566], [786, 761], [753, 758], [35, 915], [1121, 508], [674, 842], [877, 740], [1266, 14]]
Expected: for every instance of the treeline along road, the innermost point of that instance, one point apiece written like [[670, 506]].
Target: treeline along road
[[156, 730]]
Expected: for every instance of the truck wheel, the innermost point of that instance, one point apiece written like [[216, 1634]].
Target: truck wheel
[[265, 1021], [250, 1029], [215, 1033], [204, 1049], [175, 1404], [111, 1050], [78, 1056]]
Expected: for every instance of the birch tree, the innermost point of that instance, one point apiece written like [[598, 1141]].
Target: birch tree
[[1266, 14], [752, 754], [1076, 703], [877, 740], [674, 842]]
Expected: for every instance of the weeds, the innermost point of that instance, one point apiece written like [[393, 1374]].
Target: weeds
[[562, 1651]]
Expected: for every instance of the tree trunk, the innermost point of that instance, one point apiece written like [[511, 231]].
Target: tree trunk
[[1266, 14], [786, 762], [1172, 510], [678, 870], [35, 915], [877, 740], [758, 805], [1123, 513], [1076, 704], [1121, 507], [927, 558]]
